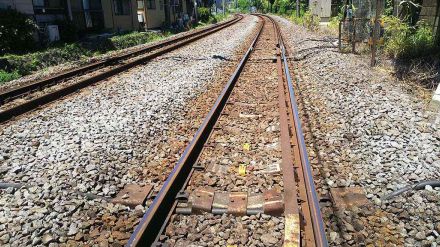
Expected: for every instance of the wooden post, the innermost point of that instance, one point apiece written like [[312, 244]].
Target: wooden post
[[297, 8], [340, 36], [437, 23], [353, 43], [376, 29]]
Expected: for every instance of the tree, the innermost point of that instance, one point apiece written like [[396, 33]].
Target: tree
[[271, 4], [16, 31]]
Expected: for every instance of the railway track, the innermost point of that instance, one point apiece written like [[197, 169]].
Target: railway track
[[245, 178], [19, 100]]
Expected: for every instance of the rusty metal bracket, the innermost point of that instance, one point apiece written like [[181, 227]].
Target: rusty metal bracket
[[237, 203], [132, 195], [349, 197], [273, 203], [221, 203], [255, 204], [202, 200]]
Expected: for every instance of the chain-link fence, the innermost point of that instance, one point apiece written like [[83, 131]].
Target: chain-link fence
[[357, 25]]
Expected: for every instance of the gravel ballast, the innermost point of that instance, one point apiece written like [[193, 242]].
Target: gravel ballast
[[365, 129], [250, 118], [96, 142]]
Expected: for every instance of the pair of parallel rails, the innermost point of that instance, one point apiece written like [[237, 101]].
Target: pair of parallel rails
[[303, 221], [96, 72]]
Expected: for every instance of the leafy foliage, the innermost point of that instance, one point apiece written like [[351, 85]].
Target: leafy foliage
[[204, 14], [25, 64], [16, 32], [14, 66], [6, 76], [244, 5], [405, 41], [307, 20], [132, 39]]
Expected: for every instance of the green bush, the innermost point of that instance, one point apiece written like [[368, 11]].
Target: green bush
[[132, 39], [6, 76], [204, 14], [311, 21], [297, 20], [14, 66], [334, 23], [212, 20], [221, 17], [16, 32], [307, 20], [404, 41], [25, 64]]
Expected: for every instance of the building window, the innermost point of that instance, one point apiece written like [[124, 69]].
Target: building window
[[151, 4], [48, 3], [122, 7], [140, 4], [161, 4], [39, 3]]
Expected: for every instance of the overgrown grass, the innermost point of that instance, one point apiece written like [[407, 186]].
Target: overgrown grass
[[135, 38], [212, 19], [307, 20], [8, 76], [405, 42], [25, 64], [15, 66], [333, 25]]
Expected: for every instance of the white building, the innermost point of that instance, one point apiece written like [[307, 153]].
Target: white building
[[321, 8]]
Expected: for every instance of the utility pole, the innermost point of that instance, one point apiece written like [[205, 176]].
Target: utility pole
[[195, 10], [223, 7], [297, 8], [376, 30]]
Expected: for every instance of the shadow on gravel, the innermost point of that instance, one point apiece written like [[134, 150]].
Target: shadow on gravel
[[424, 71]]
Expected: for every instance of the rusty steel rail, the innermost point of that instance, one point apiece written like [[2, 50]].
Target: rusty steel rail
[[119, 66], [313, 225], [156, 218]]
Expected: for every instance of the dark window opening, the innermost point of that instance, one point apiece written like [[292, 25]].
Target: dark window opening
[[122, 7], [151, 4], [48, 4]]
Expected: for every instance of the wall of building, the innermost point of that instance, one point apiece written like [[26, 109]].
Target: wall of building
[[321, 8], [120, 22], [156, 17], [23, 6], [428, 13]]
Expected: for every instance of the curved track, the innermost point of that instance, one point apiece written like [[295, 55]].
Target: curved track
[[13, 103], [242, 118]]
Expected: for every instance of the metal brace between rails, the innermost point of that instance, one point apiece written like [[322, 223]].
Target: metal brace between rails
[[205, 200]]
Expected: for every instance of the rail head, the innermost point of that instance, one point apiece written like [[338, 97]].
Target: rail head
[[317, 220]]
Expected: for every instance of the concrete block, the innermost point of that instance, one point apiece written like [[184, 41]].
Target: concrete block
[[430, 11], [429, 3], [434, 107]]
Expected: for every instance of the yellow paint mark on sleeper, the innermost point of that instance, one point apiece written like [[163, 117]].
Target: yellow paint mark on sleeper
[[246, 146], [242, 169]]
